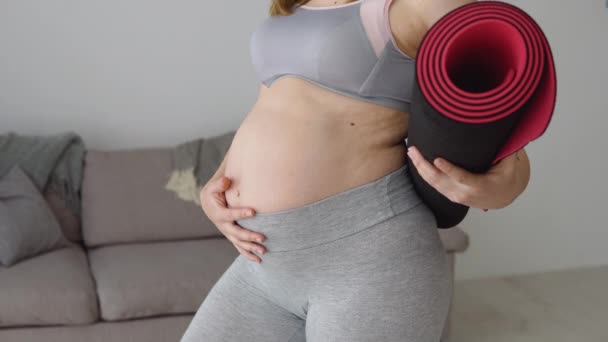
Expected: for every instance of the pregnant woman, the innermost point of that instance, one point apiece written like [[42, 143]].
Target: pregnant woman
[[314, 190]]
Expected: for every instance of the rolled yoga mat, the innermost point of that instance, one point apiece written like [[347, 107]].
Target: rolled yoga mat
[[485, 87]]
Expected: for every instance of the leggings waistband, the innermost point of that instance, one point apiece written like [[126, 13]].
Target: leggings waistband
[[336, 216]]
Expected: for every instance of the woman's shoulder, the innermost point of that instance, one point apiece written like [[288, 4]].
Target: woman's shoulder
[[409, 20]]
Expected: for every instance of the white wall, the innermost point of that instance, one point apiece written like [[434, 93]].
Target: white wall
[[126, 73], [560, 220], [134, 73]]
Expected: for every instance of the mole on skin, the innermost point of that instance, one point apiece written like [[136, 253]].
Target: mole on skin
[[352, 123]]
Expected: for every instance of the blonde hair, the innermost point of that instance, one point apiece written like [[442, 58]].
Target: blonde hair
[[285, 7]]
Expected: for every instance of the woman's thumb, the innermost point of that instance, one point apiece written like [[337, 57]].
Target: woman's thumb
[[222, 183]]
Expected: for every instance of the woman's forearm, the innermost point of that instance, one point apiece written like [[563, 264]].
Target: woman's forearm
[[494, 189], [523, 170]]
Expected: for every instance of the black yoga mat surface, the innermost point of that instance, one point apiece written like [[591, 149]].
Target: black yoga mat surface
[[485, 87]]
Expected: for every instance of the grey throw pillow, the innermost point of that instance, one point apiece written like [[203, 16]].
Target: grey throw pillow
[[28, 227]]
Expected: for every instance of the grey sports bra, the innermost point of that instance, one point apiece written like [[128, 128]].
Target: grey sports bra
[[348, 49]]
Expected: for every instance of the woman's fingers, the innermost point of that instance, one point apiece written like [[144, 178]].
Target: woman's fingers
[[213, 202], [233, 214], [248, 254], [247, 248], [427, 171], [243, 234], [213, 193], [251, 246], [218, 212], [452, 185], [456, 173], [220, 185]]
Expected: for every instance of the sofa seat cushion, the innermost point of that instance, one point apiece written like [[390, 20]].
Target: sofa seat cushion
[[150, 279], [161, 329], [54, 288]]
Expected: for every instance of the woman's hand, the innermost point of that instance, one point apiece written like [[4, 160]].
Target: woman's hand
[[495, 189], [213, 202]]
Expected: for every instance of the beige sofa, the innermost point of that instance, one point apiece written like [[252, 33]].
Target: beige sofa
[[141, 264]]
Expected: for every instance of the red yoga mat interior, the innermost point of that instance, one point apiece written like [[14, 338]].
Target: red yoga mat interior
[[485, 61]]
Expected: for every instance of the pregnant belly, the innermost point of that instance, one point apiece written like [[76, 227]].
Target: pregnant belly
[[279, 161]]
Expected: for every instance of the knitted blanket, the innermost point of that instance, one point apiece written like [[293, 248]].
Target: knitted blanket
[[195, 162]]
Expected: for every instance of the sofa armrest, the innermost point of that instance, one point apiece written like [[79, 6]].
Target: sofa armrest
[[454, 239]]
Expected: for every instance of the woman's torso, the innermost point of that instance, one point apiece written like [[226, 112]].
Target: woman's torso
[[301, 143]]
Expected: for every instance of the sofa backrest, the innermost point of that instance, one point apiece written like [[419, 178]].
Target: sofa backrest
[[124, 200], [69, 222]]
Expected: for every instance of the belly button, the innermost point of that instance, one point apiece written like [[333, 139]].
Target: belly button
[[352, 123], [237, 193]]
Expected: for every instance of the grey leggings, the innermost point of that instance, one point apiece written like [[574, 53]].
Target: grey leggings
[[362, 265]]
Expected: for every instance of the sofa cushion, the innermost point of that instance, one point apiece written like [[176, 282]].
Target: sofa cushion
[[149, 279], [162, 329], [27, 226], [124, 200], [52, 288]]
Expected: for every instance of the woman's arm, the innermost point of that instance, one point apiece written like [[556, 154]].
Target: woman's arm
[[505, 181]]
